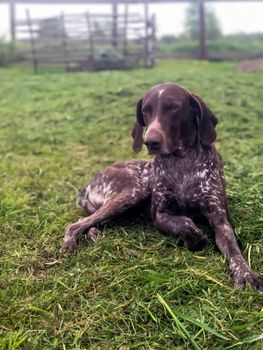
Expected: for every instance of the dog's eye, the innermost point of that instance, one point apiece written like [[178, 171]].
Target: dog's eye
[[146, 109], [171, 107]]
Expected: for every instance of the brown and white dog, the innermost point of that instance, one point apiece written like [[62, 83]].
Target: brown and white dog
[[184, 182]]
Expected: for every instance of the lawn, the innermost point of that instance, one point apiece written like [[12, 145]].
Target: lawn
[[133, 289]]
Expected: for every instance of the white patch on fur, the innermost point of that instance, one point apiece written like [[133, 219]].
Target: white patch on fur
[[145, 172], [202, 174], [155, 125], [97, 196], [160, 93]]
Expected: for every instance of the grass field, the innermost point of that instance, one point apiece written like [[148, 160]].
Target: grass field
[[133, 289], [225, 46]]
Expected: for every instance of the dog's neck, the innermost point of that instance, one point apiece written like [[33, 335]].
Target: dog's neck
[[193, 152]]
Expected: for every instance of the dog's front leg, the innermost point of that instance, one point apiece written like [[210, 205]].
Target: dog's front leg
[[227, 243], [181, 227]]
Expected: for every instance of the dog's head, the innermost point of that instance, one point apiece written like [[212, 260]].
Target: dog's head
[[174, 120]]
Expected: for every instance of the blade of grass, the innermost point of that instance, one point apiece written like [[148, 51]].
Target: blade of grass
[[149, 312], [208, 277], [201, 325], [180, 326], [246, 341], [37, 309]]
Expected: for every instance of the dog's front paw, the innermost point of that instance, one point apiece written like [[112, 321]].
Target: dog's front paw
[[245, 276], [196, 241], [68, 247]]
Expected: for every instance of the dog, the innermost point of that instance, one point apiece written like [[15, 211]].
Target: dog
[[184, 182]]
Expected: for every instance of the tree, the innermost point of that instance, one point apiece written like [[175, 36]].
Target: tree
[[213, 30]]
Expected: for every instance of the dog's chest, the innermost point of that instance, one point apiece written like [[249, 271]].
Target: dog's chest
[[187, 181]]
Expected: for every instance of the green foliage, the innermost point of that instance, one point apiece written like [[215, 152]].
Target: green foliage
[[133, 289], [6, 53], [192, 29], [237, 44]]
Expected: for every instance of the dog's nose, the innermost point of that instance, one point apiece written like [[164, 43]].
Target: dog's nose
[[153, 143]]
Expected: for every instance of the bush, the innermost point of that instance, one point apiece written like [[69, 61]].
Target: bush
[[7, 54]]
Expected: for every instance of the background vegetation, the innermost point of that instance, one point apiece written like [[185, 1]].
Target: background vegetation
[[237, 45], [192, 26], [7, 54], [133, 289], [234, 46], [218, 46]]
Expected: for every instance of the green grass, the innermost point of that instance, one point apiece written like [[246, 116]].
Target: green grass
[[221, 46], [133, 289]]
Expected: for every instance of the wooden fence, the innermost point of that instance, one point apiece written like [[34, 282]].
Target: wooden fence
[[87, 41]]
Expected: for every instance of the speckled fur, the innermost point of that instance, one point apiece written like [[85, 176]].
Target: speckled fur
[[132, 176], [185, 180], [118, 188]]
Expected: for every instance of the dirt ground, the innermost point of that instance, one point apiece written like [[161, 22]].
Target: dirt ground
[[251, 65]]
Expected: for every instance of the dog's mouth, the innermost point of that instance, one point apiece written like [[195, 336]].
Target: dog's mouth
[[158, 150], [153, 150]]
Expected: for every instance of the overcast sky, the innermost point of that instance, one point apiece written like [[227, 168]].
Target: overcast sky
[[234, 17]]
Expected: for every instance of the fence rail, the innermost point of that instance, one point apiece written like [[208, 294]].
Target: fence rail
[[118, 17], [87, 40]]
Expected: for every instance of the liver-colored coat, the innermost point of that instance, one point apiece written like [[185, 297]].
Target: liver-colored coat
[[184, 182]]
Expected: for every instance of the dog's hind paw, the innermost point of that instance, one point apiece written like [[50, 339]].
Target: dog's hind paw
[[94, 234], [196, 241], [68, 247]]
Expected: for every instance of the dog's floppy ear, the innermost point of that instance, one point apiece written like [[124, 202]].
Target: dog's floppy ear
[[137, 131], [206, 120]]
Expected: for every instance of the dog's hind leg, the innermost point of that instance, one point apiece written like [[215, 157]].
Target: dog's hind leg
[[83, 201], [114, 206], [118, 188]]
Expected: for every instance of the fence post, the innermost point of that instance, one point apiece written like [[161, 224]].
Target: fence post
[[153, 40], [12, 14], [32, 40], [147, 61], [114, 24], [125, 30], [202, 46], [90, 34], [64, 40]]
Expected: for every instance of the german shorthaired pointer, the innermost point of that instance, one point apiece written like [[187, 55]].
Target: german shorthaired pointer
[[185, 181]]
